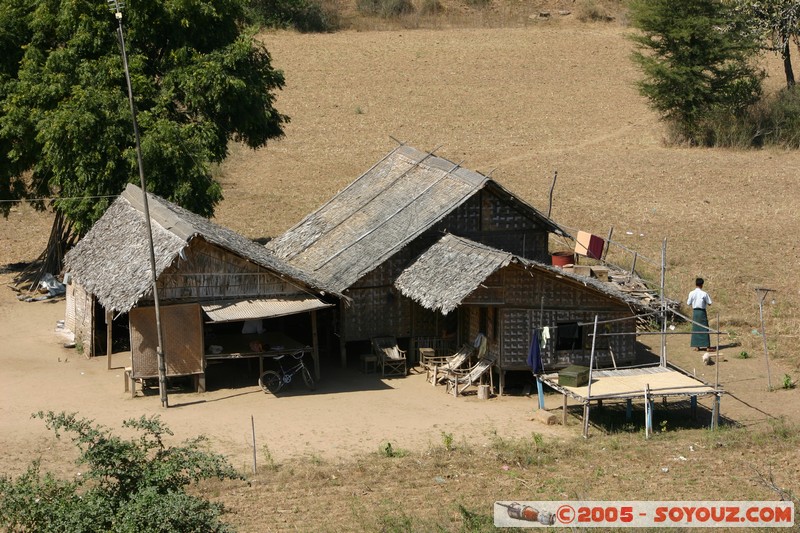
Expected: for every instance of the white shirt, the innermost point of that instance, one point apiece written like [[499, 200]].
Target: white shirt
[[698, 299]]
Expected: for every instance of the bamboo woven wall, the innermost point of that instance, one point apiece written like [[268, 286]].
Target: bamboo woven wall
[[211, 273], [183, 340], [494, 222], [515, 286], [376, 312], [79, 317], [518, 326]]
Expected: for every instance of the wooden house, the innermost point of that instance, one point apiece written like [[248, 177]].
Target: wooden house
[[368, 236], [210, 281], [507, 298]]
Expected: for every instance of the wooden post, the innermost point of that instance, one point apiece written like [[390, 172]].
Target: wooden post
[[591, 360], [647, 427], [539, 392], [253, 426], [109, 340], [663, 361], [586, 420], [628, 410], [716, 356], [762, 292], [342, 350], [633, 266], [608, 243], [315, 344], [564, 412]]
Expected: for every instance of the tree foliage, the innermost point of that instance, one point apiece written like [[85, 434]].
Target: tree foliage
[[199, 80], [129, 486], [776, 22], [696, 61]]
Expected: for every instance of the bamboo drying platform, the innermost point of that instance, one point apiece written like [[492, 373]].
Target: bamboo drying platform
[[635, 382]]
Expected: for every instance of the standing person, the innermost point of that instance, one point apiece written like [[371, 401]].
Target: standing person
[[699, 300]]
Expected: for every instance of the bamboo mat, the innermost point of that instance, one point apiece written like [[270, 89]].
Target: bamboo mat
[[631, 383]]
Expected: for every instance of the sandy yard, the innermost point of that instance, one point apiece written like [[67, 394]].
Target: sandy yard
[[350, 412]]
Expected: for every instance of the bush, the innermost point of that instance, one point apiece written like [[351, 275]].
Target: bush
[[479, 4], [431, 7], [592, 11], [773, 121], [306, 16], [127, 484], [385, 8], [783, 119]]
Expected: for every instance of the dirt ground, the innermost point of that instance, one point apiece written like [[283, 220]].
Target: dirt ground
[[521, 102], [349, 413]]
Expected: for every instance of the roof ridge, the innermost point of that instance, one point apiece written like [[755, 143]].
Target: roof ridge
[[164, 215]]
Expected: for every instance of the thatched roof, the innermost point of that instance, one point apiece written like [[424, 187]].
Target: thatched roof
[[403, 195], [454, 267], [112, 261], [449, 271]]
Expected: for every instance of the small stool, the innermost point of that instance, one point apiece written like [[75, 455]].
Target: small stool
[[369, 363], [425, 355]]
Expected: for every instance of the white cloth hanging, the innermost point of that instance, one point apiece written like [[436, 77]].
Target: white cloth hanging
[[544, 338]]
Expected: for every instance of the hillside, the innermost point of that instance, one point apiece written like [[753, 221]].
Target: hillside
[[550, 94]]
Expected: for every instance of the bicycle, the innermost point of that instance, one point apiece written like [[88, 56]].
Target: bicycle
[[273, 380]]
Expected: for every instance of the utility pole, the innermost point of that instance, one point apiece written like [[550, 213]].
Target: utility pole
[[116, 8]]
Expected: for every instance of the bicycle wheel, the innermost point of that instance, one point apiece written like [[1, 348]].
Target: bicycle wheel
[[309, 379], [270, 381]]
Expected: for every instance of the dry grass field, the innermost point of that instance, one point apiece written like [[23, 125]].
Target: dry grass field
[[522, 102]]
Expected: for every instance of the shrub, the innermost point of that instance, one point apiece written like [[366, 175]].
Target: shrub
[[479, 3], [385, 8], [783, 119], [307, 16], [430, 7], [127, 483], [592, 11], [773, 121]]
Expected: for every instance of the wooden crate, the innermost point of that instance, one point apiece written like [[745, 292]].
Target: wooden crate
[[574, 376]]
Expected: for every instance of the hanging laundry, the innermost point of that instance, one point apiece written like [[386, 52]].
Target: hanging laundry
[[535, 355], [545, 337]]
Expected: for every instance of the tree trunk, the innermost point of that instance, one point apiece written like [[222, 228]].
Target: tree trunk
[[51, 260], [787, 65]]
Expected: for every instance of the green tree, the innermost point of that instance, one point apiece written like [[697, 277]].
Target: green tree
[[128, 485], [696, 61], [200, 79], [778, 22]]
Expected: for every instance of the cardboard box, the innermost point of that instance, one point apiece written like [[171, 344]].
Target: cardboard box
[[589, 245], [582, 270], [600, 272], [574, 376]]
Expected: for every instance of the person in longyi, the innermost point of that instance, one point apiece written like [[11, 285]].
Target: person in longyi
[[699, 300]]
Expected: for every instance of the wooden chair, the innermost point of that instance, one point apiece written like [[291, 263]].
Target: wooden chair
[[459, 380], [392, 358], [437, 368]]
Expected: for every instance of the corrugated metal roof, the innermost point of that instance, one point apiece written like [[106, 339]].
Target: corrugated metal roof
[[232, 311]]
